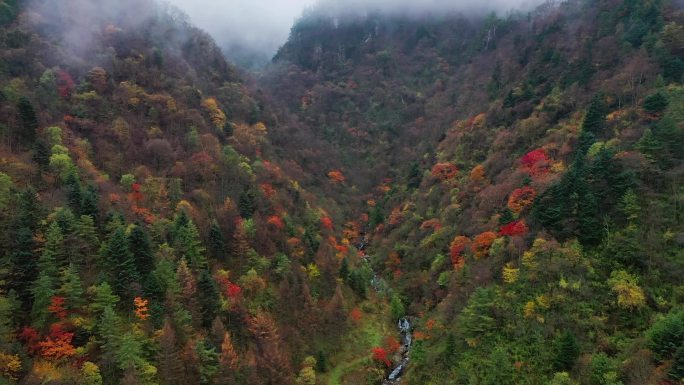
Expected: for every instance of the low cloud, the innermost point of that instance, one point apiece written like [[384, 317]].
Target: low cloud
[[261, 26]]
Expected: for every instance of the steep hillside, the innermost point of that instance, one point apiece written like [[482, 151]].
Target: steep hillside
[[525, 181], [151, 233], [512, 185]]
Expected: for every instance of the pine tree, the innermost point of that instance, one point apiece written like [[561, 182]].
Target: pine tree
[[595, 118], [344, 270], [567, 352], [208, 297], [217, 244], [120, 264], [41, 154], [86, 243], [188, 245], [43, 290], [29, 121], [72, 288], [53, 254], [246, 204], [90, 202], [72, 184], [141, 249], [450, 351]]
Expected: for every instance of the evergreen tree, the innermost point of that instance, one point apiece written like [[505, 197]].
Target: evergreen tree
[[246, 204], [506, 216], [344, 270], [188, 245], [72, 184], [217, 244], [141, 249], [86, 243], [120, 264], [41, 154], [595, 118], [321, 362], [450, 351], [53, 254], [656, 103], [29, 121], [43, 290], [567, 352], [90, 202], [72, 288], [676, 372], [208, 297]]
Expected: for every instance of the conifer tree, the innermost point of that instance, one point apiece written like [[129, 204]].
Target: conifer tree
[[188, 245], [120, 264], [567, 352], [71, 288], [53, 253], [29, 121], [217, 243], [141, 249], [43, 290], [208, 296]]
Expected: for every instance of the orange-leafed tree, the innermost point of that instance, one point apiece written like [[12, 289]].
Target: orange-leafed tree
[[457, 251], [521, 198], [57, 345], [336, 176], [482, 243], [477, 174], [444, 171], [141, 310]]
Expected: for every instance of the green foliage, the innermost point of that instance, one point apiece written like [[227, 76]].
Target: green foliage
[[567, 351], [208, 297], [397, 307], [666, 336], [29, 122], [141, 250], [656, 103], [119, 264]]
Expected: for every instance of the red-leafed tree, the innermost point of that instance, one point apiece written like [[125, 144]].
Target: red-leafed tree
[[57, 308], [380, 355], [513, 228], [65, 84], [457, 250], [536, 162], [327, 223], [276, 221]]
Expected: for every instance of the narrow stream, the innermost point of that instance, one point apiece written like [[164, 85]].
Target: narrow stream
[[403, 326]]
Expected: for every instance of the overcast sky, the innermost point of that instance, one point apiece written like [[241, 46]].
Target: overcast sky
[[257, 23], [264, 25]]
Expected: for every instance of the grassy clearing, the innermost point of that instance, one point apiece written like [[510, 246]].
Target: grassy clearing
[[354, 354]]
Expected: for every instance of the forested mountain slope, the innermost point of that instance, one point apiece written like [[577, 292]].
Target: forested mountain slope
[[151, 233], [525, 181], [516, 183]]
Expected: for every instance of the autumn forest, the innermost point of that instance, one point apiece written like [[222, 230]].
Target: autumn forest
[[424, 199]]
